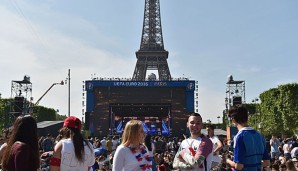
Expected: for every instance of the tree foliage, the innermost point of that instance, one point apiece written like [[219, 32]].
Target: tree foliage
[[39, 112], [60, 117], [44, 114], [5, 118], [254, 114], [279, 109]]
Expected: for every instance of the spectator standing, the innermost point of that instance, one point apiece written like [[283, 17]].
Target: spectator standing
[[171, 145], [115, 143], [104, 143], [22, 153], [294, 152], [217, 146], [47, 143], [295, 160], [109, 144], [158, 144], [73, 152], [294, 143], [131, 154], [40, 140], [250, 152], [290, 166], [151, 150], [195, 153], [96, 143], [286, 148], [274, 144]]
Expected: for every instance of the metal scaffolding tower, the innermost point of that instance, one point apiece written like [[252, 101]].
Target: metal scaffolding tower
[[21, 92], [235, 92]]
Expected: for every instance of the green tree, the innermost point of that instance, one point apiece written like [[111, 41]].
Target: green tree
[[6, 118], [44, 114], [279, 109], [41, 113], [60, 117], [47, 114], [254, 114], [288, 105], [2, 113]]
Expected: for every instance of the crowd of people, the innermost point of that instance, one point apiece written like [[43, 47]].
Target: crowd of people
[[135, 150]]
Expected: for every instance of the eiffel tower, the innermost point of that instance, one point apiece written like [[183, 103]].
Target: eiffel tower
[[152, 55]]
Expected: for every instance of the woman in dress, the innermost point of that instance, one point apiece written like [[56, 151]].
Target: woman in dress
[[132, 154], [22, 153]]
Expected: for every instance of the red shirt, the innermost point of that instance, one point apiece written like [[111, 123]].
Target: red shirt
[[21, 158]]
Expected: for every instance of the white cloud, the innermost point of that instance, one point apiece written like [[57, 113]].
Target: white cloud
[[91, 38], [46, 56]]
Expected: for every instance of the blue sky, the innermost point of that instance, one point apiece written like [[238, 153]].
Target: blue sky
[[255, 41]]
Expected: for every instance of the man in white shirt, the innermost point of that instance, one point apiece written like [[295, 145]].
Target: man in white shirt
[[104, 143], [217, 146], [195, 152], [115, 143]]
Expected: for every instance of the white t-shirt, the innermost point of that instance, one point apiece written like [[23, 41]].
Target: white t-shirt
[[215, 140], [104, 143], [69, 162], [286, 148], [294, 152], [115, 143], [125, 160], [195, 143]]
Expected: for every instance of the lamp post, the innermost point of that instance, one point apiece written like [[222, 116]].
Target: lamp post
[[255, 100], [257, 112], [218, 118], [68, 92], [67, 81]]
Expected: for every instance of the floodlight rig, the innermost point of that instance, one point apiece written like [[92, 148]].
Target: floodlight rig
[[21, 92], [37, 102], [235, 92]]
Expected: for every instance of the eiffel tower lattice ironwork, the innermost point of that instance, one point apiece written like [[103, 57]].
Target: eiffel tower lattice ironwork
[[152, 55]]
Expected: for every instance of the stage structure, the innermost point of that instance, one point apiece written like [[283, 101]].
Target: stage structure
[[161, 102], [235, 93], [21, 92], [163, 106]]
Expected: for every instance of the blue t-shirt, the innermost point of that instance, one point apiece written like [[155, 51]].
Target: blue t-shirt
[[250, 149]]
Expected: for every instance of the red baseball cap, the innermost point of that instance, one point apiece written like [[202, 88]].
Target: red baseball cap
[[72, 122]]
